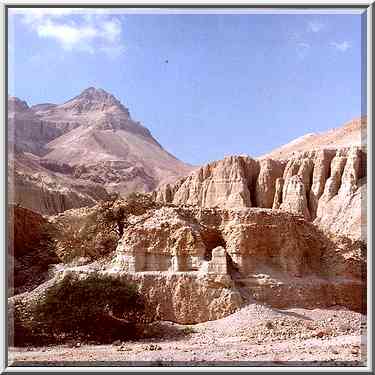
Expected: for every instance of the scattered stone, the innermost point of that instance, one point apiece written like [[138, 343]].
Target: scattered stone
[[152, 347], [320, 334], [124, 348]]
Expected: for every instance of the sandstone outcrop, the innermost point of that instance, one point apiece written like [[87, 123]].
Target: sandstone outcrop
[[226, 183], [195, 264], [320, 174], [270, 171], [264, 251], [278, 198], [294, 198], [288, 232], [187, 297], [319, 185]]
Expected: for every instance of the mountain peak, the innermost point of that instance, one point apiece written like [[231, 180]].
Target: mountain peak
[[97, 95], [94, 92], [94, 99]]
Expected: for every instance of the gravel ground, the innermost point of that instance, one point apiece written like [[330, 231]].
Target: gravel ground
[[256, 335]]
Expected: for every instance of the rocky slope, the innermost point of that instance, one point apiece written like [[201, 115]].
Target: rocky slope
[[353, 133], [90, 140], [30, 249], [324, 185], [35, 187], [199, 264], [27, 131]]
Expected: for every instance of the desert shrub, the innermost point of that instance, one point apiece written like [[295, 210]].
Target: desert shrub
[[95, 234], [97, 307], [89, 236], [189, 330]]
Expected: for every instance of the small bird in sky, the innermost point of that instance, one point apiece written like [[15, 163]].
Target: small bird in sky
[[166, 61]]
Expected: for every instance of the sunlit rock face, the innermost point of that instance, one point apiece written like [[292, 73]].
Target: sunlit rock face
[[259, 249], [325, 186]]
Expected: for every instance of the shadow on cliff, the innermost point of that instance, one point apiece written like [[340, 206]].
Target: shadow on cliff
[[333, 277]]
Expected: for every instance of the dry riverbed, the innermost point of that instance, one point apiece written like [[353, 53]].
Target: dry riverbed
[[256, 335]]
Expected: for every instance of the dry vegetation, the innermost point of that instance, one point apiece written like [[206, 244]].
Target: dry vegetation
[[93, 233]]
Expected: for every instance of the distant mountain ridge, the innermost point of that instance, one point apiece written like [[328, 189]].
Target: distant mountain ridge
[[92, 138]]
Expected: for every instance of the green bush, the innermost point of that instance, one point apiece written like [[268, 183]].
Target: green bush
[[97, 307]]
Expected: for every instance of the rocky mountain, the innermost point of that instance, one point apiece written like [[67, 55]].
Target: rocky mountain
[[26, 131], [91, 142], [323, 181]]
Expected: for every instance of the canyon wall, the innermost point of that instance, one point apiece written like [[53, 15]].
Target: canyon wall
[[194, 264], [267, 256], [324, 186]]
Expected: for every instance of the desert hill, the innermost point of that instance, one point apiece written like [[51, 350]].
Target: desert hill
[[89, 139], [353, 133]]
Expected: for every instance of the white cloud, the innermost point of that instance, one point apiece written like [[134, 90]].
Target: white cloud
[[342, 47], [32, 15], [77, 29], [314, 26], [303, 45], [303, 49]]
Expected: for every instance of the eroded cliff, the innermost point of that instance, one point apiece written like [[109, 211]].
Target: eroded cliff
[[195, 264], [325, 186]]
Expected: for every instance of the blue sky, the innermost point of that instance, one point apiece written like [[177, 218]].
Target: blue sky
[[233, 84]]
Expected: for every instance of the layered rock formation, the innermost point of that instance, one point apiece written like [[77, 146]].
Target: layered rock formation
[[326, 186], [266, 186], [224, 183], [268, 256], [33, 186], [90, 140], [195, 264], [26, 131], [189, 297]]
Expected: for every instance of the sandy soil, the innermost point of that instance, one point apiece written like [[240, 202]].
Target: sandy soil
[[254, 336]]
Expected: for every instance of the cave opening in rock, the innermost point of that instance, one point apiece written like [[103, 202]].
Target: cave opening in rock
[[233, 268], [212, 238], [252, 191]]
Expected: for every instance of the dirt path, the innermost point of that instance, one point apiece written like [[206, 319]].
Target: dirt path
[[255, 335]]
